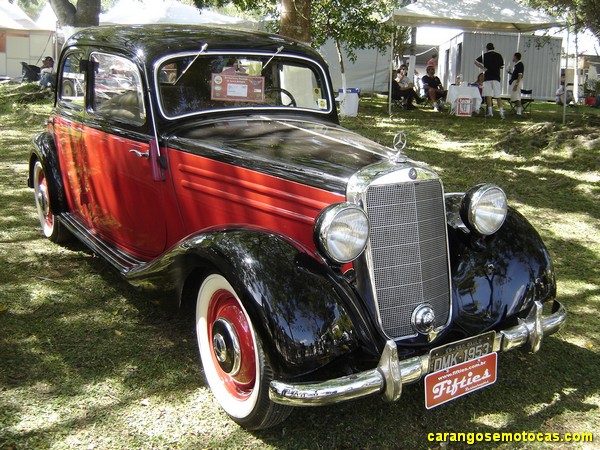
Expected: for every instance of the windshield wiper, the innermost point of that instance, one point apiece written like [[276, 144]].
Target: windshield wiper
[[279, 50], [202, 50]]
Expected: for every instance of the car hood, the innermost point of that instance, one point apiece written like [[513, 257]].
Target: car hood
[[314, 153]]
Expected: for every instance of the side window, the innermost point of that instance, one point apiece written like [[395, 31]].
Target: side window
[[118, 91], [72, 87]]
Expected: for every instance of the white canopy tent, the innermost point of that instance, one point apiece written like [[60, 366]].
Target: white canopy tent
[[472, 15], [164, 11], [146, 12]]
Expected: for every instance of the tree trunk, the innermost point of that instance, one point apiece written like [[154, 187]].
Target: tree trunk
[[338, 47], [295, 19], [342, 96], [85, 14]]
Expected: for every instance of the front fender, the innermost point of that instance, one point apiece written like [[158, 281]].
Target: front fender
[[304, 313], [496, 278]]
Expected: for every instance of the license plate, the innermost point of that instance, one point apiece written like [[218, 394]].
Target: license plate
[[459, 380], [461, 351]]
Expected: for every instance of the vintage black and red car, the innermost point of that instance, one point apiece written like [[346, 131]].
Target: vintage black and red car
[[210, 164]]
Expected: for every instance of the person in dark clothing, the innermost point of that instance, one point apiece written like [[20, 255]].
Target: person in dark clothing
[[516, 81], [403, 88], [433, 88], [491, 63]]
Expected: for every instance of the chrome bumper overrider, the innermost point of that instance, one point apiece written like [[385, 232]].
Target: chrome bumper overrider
[[391, 374]]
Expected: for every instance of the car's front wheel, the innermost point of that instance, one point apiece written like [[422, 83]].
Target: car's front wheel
[[51, 227], [232, 357]]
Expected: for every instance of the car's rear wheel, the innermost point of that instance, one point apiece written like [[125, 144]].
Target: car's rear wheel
[[51, 227], [232, 357]]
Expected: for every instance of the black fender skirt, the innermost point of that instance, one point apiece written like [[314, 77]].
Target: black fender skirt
[[496, 279], [308, 317], [305, 314]]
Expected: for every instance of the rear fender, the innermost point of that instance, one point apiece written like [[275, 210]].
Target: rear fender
[[45, 152]]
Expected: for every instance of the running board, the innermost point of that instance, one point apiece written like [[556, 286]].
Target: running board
[[121, 260]]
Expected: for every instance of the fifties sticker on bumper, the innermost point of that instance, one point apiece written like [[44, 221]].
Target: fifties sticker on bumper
[[459, 380]]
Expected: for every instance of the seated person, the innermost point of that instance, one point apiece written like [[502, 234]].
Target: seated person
[[479, 83], [402, 88], [560, 95], [47, 75], [432, 87]]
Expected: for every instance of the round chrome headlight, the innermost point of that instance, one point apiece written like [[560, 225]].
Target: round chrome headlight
[[484, 209], [341, 232]]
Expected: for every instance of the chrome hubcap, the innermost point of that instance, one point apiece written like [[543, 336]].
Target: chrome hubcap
[[42, 198], [226, 346]]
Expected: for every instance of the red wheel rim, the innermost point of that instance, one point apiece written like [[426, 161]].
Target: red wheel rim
[[46, 215], [225, 307]]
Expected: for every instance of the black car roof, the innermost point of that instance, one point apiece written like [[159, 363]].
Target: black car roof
[[156, 40]]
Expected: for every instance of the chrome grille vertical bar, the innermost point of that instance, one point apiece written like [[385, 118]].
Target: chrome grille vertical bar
[[408, 250]]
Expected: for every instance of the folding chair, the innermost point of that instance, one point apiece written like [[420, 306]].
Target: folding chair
[[526, 101], [398, 98], [30, 72]]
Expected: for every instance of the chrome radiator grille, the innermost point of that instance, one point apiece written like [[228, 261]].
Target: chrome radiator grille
[[409, 253]]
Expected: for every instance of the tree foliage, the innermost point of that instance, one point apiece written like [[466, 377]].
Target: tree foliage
[[354, 24], [580, 13], [82, 13]]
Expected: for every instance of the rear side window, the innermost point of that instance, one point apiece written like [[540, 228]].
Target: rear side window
[[72, 87], [118, 91]]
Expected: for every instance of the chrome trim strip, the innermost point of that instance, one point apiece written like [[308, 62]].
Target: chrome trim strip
[[391, 374], [119, 259]]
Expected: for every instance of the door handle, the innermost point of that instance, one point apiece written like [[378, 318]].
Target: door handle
[[140, 154]]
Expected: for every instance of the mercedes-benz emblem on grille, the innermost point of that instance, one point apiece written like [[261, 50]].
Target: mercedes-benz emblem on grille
[[412, 174], [423, 318]]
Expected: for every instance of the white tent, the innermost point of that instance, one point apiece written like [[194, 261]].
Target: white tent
[[12, 17], [161, 11], [145, 12], [474, 15]]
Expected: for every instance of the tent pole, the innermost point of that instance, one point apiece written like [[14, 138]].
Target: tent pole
[[375, 72], [391, 72], [565, 84], [576, 69], [412, 59]]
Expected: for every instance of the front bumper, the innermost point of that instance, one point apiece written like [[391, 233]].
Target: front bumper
[[391, 374]]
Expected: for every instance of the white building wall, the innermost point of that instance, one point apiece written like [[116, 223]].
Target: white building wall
[[540, 56], [27, 46]]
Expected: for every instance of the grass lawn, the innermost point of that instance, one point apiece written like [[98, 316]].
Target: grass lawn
[[88, 362]]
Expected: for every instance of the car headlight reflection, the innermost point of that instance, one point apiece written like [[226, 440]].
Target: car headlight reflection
[[341, 232], [484, 209]]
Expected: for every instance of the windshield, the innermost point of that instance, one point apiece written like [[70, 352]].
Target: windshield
[[198, 83]]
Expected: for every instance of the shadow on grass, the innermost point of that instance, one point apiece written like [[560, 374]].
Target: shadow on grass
[[515, 399], [70, 326], [77, 342], [73, 338]]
